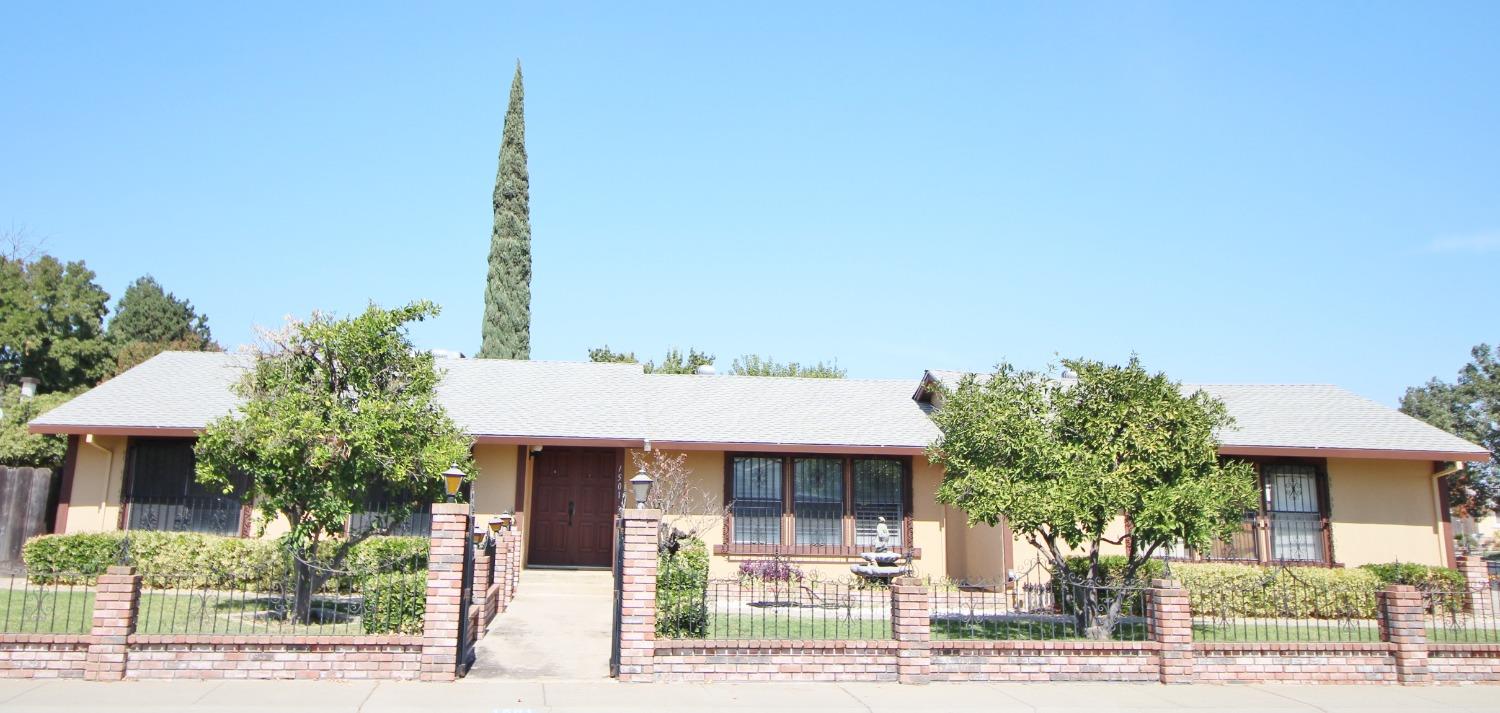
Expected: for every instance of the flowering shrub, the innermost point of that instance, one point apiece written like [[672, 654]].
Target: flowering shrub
[[771, 570]]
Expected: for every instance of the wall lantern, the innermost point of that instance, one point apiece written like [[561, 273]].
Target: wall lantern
[[478, 536], [453, 479], [640, 485]]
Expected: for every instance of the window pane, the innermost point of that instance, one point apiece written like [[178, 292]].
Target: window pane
[[756, 500], [1295, 512], [877, 494], [818, 500]]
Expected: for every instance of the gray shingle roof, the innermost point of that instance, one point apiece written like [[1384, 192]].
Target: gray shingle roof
[[1311, 416], [581, 400]]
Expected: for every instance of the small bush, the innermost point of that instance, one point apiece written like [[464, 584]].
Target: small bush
[[681, 591], [1421, 576], [1112, 570], [68, 559], [771, 570], [395, 603]]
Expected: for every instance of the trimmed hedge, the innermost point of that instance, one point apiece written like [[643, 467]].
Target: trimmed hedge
[[214, 560], [681, 591], [394, 603], [1421, 576]]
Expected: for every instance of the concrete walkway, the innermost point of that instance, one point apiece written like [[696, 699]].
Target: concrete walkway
[[496, 696], [556, 629]]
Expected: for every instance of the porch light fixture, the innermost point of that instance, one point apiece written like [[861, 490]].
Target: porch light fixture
[[478, 536], [453, 479], [506, 520], [495, 525], [640, 485]]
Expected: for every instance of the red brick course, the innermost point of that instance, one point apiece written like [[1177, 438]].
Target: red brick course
[[911, 624], [274, 657], [1402, 625], [117, 596], [1170, 621], [43, 655], [1294, 662], [1045, 661], [771, 660], [1464, 663]]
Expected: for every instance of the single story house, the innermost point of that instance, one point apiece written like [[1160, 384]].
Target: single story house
[[800, 468]]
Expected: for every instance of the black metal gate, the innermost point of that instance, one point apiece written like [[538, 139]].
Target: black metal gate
[[614, 638], [467, 635]]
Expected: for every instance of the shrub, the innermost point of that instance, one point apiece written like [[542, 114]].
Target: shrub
[[395, 603], [167, 559], [1421, 576], [681, 591], [1112, 569], [771, 570], [1236, 590]]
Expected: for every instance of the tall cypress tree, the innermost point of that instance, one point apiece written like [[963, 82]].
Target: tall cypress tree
[[507, 294]]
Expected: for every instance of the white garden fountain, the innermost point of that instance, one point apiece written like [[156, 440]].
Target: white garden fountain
[[881, 564]]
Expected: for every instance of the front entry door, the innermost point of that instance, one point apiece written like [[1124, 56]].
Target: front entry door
[[574, 504]]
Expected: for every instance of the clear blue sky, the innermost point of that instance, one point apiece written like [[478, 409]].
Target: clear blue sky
[[1248, 192]]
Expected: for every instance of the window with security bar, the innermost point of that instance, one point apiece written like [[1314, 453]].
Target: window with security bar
[[1294, 511], [815, 501]]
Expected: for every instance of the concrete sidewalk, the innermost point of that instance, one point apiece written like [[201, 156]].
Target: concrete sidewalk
[[495, 696]]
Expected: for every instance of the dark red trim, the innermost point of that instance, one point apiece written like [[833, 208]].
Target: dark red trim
[[65, 490], [1371, 453]]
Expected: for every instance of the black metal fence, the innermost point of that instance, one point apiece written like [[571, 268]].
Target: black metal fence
[[757, 608], [1037, 605], [57, 603], [1282, 605], [288, 595], [1463, 616]]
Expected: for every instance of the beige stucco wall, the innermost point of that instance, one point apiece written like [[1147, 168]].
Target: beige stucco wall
[[94, 502], [1384, 511], [494, 487]]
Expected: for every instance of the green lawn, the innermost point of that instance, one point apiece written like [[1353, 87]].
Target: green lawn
[[66, 610], [1286, 630], [787, 625], [1022, 629]]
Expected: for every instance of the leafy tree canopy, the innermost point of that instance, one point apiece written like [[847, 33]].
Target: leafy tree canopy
[[752, 365], [149, 320], [51, 323], [1062, 459], [337, 410], [17, 446], [1469, 408], [675, 362]]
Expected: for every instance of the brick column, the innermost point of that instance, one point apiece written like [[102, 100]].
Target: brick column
[[483, 576], [445, 605], [1477, 582], [517, 560], [911, 623], [637, 582], [117, 598], [507, 561], [1401, 624], [1171, 622]]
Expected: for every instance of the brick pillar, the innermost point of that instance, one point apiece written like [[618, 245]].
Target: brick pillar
[[507, 562], [445, 586], [1401, 624], [1477, 582], [637, 583], [483, 576], [911, 623], [116, 601], [1171, 623], [517, 560]]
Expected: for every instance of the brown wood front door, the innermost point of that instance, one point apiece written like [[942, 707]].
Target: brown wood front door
[[574, 506]]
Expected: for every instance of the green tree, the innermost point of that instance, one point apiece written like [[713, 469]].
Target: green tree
[[752, 365], [149, 320], [1061, 460], [675, 362], [18, 447], [51, 323], [1470, 409], [507, 293], [334, 411]]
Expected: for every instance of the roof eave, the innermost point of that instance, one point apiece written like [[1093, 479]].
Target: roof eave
[[70, 429], [1370, 453]]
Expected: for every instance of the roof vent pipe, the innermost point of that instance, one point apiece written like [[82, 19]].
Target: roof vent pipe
[[705, 370]]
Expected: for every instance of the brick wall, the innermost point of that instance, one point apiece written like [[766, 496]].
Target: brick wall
[[274, 657], [1294, 663], [1045, 661], [43, 655], [1464, 663], [766, 660], [640, 533], [445, 579]]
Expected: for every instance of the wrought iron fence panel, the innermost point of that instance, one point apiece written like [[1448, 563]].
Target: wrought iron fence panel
[[48, 602], [1037, 605], [219, 515], [1282, 605], [1470, 615], [794, 608]]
